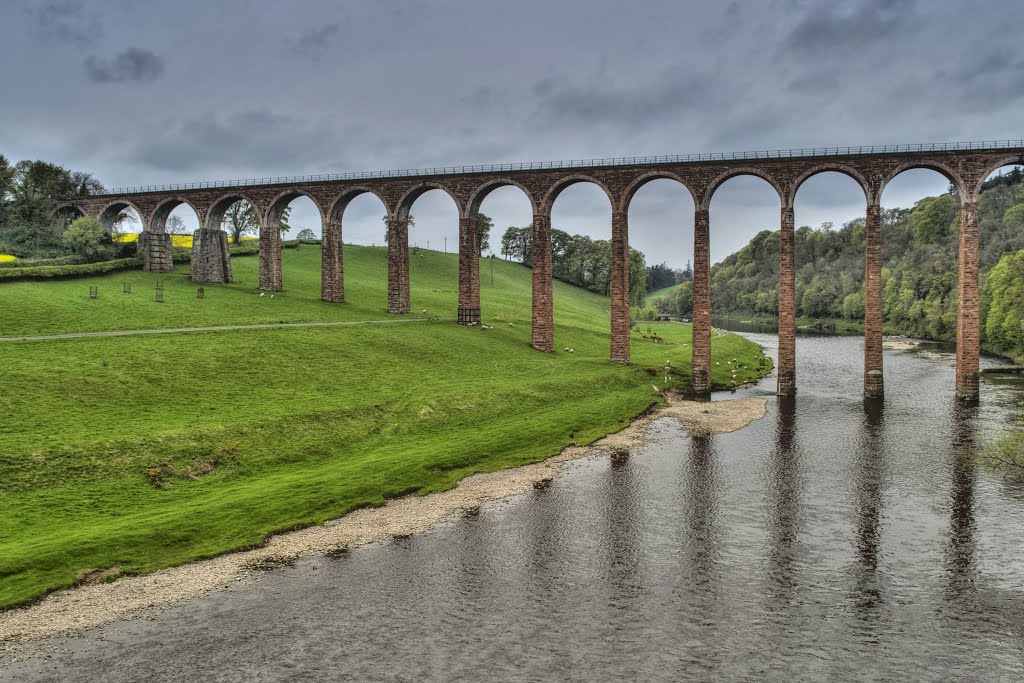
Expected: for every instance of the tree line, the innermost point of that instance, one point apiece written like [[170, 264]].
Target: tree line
[[578, 260], [29, 191], [920, 252]]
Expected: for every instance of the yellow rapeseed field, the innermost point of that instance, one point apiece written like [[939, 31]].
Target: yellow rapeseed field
[[184, 241], [7, 258]]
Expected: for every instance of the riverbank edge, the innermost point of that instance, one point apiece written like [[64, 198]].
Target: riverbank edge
[[75, 610], [847, 328]]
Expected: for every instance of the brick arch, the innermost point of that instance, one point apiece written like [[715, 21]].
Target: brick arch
[[848, 171], [1017, 160], [280, 202], [404, 204], [215, 214], [57, 210], [338, 206], [158, 219], [938, 166], [733, 173], [562, 183], [479, 194], [635, 186], [110, 212]]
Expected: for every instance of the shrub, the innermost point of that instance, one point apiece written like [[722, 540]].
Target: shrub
[[87, 238], [34, 263], [69, 271]]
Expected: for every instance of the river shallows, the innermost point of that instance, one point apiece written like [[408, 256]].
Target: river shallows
[[831, 539]]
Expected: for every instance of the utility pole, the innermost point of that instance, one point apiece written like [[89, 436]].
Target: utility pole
[[446, 244], [492, 270]]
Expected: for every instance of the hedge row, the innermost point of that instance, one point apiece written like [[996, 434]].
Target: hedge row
[[34, 263], [78, 270], [68, 270]]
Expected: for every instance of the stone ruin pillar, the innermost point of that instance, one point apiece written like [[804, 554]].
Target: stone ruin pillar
[[270, 257], [211, 260], [398, 266], [332, 264], [155, 248]]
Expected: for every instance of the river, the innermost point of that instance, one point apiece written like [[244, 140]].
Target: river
[[831, 540]]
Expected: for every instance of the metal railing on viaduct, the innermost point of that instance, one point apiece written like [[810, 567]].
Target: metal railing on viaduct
[[966, 165]]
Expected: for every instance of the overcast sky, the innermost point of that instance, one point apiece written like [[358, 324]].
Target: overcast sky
[[142, 92]]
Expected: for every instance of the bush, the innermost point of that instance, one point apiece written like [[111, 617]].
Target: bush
[[70, 271], [87, 238], [34, 263]]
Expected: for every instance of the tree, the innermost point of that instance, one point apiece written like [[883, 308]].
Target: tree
[[283, 221], [6, 178], [87, 238], [483, 232], [176, 226], [660, 276], [517, 244], [6, 183], [240, 219], [1002, 306], [637, 280], [931, 219], [306, 234]]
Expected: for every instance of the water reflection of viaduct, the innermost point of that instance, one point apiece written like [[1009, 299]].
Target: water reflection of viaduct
[[966, 166]]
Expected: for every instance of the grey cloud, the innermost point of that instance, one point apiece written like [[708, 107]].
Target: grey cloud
[[254, 139], [67, 21], [315, 42], [818, 84], [985, 80], [131, 66], [676, 91], [828, 28]]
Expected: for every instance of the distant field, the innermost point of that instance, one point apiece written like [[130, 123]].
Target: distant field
[[659, 295], [284, 427]]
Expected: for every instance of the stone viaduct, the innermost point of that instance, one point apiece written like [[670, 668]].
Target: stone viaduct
[[965, 165]]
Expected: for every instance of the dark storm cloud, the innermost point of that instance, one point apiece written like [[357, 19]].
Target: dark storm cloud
[[134, 65], [67, 22], [315, 42]]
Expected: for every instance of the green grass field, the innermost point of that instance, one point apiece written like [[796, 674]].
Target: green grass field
[[299, 424], [659, 295]]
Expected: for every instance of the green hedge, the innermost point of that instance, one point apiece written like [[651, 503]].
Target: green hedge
[[68, 271], [34, 263]]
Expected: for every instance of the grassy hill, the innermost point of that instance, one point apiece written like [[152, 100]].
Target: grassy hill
[[141, 452], [659, 295]]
